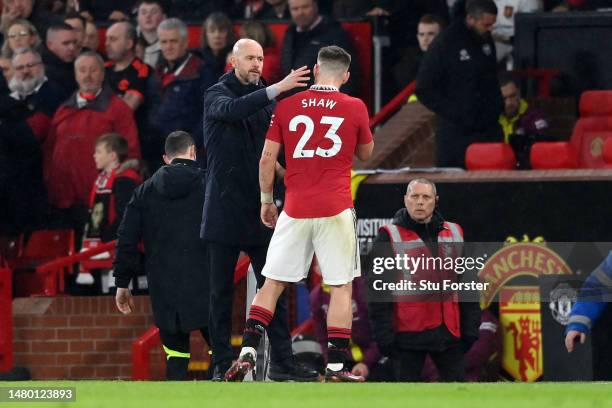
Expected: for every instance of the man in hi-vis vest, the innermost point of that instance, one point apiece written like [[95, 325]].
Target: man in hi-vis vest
[[425, 323]]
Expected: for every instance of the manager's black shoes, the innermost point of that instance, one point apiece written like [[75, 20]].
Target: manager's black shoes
[[292, 371]]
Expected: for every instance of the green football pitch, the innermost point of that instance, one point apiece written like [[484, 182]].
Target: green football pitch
[[120, 394]]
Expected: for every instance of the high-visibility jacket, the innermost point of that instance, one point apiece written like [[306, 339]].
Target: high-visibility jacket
[[420, 315]]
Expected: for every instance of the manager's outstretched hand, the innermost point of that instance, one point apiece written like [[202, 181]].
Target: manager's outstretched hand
[[296, 78]]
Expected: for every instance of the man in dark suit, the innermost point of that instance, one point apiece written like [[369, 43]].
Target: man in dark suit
[[237, 112]]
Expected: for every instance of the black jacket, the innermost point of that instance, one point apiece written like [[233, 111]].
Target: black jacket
[[236, 119], [165, 213], [301, 48], [60, 72], [381, 314], [457, 79]]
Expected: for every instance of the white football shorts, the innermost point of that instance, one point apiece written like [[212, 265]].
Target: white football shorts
[[332, 239]]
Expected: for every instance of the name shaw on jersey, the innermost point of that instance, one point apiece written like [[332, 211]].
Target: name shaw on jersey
[[316, 102]]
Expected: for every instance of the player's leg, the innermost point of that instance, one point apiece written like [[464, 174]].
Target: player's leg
[[335, 243], [286, 261]]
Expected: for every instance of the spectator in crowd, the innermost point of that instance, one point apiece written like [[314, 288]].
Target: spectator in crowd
[[503, 29], [127, 75], [91, 111], [274, 10], [150, 14], [109, 196], [31, 86], [593, 298], [182, 77], [20, 172], [59, 54], [522, 125], [216, 41], [406, 70], [7, 68], [258, 31], [410, 330], [131, 79], [24, 9], [363, 352], [91, 41], [21, 34], [399, 20], [457, 80], [307, 33], [164, 214], [237, 115], [78, 24]]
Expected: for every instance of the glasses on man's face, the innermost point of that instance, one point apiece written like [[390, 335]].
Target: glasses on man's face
[[28, 65], [19, 34]]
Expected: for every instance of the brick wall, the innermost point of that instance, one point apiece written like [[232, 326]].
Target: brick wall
[[88, 338], [80, 337]]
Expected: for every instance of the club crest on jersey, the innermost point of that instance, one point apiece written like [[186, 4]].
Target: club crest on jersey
[[464, 55]]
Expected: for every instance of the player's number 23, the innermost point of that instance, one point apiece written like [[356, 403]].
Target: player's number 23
[[331, 134]]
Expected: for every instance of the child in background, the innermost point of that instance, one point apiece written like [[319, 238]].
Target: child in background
[[109, 196]]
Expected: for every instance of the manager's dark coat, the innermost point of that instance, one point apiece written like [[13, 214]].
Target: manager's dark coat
[[165, 212], [236, 119]]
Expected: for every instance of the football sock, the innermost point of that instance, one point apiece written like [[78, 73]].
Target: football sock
[[337, 347], [256, 324]]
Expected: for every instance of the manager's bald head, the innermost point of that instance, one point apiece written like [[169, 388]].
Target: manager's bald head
[[247, 60]]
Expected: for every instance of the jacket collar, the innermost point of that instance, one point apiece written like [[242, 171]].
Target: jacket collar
[[184, 162], [237, 87], [100, 103]]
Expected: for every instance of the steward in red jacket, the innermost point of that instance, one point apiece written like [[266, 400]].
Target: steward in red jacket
[[420, 325]]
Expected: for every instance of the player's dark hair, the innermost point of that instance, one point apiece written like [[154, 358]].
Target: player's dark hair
[[114, 142], [334, 58], [476, 8], [177, 143]]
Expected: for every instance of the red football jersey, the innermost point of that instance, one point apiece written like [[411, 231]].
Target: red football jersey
[[320, 130]]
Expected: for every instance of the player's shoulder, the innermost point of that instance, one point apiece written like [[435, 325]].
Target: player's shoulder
[[353, 102]]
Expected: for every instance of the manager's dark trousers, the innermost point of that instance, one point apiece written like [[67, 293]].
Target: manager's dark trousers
[[222, 261]]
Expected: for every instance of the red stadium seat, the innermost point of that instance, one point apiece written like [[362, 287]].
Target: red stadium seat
[[553, 155], [43, 246], [607, 152], [490, 156], [595, 103]]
